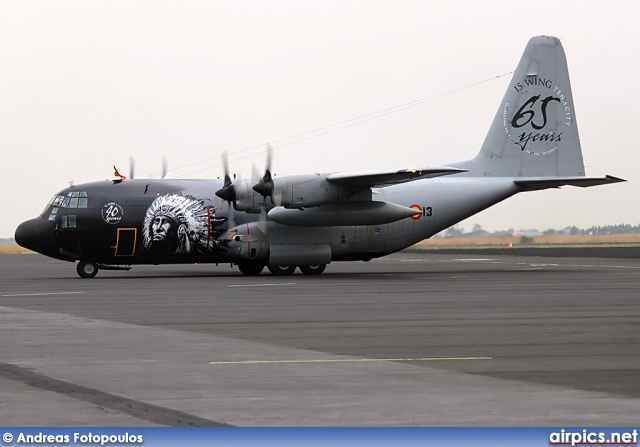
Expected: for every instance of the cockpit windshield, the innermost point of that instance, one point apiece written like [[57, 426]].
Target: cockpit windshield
[[72, 199]]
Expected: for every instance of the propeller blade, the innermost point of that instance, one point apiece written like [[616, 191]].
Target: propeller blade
[[231, 222], [269, 156], [165, 167], [228, 191], [277, 198], [265, 186], [262, 223], [225, 163], [132, 167], [255, 174]]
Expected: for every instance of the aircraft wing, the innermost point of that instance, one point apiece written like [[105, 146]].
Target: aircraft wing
[[534, 184], [390, 177]]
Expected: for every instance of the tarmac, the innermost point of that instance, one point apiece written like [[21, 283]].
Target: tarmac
[[413, 339]]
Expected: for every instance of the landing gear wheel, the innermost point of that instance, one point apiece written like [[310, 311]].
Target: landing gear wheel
[[312, 269], [87, 269], [250, 269], [282, 270]]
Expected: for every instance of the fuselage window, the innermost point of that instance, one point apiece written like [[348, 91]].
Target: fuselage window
[[73, 203], [82, 202], [65, 202], [72, 221], [63, 221]]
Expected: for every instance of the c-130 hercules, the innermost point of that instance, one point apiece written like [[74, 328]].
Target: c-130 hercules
[[308, 221]]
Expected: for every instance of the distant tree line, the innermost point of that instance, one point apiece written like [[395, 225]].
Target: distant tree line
[[597, 230], [478, 231]]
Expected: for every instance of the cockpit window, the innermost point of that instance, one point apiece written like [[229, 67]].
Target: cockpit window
[[73, 199]]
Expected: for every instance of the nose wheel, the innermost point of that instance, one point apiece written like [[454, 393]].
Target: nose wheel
[[87, 269]]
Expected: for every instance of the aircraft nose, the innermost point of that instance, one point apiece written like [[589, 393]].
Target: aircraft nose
[[34, 234]]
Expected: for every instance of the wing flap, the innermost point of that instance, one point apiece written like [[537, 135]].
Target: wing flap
[[535, 184], [390, 177]]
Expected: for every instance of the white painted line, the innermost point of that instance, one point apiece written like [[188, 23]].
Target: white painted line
[[364, 360], [41, 294], [263, 284]]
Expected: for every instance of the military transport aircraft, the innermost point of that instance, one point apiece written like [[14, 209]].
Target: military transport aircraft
[[308, 221]]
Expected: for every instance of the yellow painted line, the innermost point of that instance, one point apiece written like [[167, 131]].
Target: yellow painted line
[[42, 294], [409, 359], [263, 284]]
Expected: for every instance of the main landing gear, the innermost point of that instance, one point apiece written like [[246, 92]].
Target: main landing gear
[[282, 270]]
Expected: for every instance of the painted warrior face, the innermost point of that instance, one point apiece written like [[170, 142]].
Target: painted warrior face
[[162, 227]]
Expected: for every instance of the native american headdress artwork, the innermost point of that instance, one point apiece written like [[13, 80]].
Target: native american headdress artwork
[[192, 218]]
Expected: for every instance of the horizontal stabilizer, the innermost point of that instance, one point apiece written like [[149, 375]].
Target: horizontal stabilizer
[[535, 184], [390, 177]]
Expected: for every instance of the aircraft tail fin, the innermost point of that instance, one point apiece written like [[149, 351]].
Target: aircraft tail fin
[[534, 132]]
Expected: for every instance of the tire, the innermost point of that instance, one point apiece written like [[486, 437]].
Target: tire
[[87, 269], [313, 269], [282, 270], [250, 269]]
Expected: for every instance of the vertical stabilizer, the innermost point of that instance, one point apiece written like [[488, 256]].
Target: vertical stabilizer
[[534, 132]]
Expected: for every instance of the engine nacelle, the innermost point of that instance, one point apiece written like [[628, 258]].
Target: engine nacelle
[[247, 242], [298, 191]]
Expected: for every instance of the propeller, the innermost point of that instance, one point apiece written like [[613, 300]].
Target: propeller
[[266, 186], [228, 190]]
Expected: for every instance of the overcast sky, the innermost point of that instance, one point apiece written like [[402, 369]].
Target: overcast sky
[[86, 84]]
